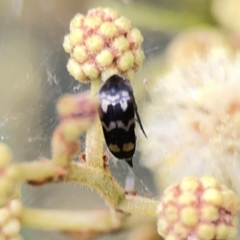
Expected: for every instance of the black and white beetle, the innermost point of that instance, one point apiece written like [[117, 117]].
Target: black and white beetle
[[117, 114]]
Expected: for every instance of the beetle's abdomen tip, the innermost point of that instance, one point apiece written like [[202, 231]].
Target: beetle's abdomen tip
[[129, 162]]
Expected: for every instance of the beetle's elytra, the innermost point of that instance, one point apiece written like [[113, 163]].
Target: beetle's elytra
[[117, 114]]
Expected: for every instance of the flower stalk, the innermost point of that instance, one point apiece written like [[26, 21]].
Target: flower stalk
[[94, 221], [39, 171], [97, 220], [94, 138]]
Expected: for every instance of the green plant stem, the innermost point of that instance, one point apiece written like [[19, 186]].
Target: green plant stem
[[67, 220], [65, 143], [99, 179], [37, 170], [101, 221], [110, 190], [140, 206], [94, 138]]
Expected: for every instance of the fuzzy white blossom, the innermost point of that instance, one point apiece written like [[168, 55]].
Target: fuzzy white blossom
[[193, 122]]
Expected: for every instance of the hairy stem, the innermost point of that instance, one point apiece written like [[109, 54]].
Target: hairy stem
[[98, 220], [94, 139], [101, 220], [111, 191], [98, 179], [140, 206], [37, 170], [95, 178]]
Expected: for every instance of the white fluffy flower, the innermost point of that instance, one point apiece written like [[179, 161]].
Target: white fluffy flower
[[193, 123]]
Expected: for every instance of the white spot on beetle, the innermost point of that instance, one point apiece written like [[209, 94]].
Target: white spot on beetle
[[125, 94], [112, 125], [114, 98], [123, 104], [104, 105], [121, 125]]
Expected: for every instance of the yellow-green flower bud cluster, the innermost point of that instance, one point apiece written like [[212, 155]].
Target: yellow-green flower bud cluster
[[8, 174], [101, 44], [10, 220], [77, 113], [79, 106], [198, 209]]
